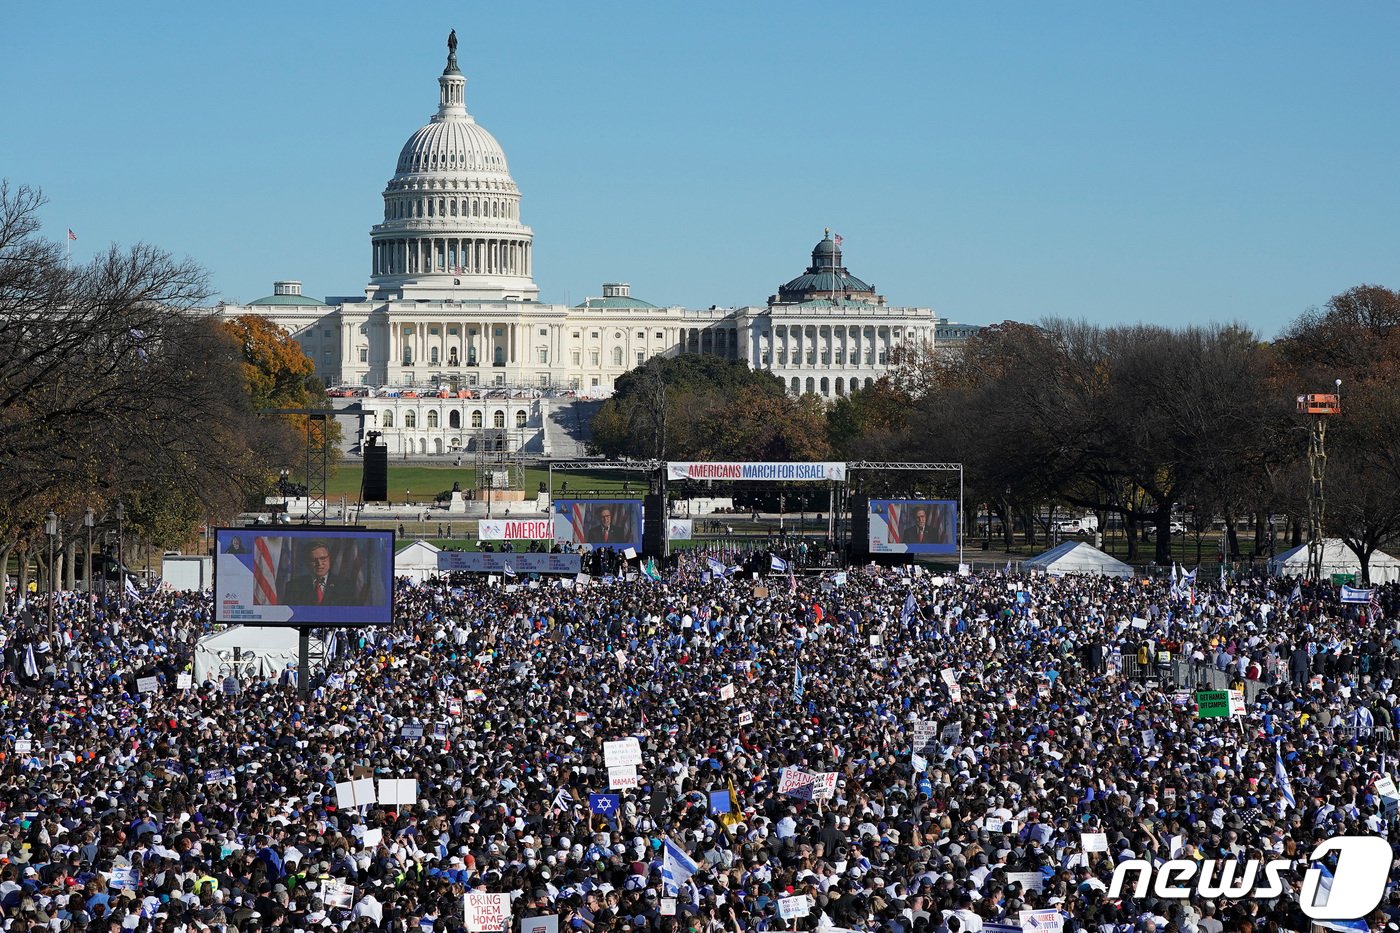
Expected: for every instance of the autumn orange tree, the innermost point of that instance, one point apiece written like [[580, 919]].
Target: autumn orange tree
[[277, 373]]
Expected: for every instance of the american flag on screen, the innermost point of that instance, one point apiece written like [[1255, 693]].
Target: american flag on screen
[[576, 522], [892, 522], [265, 571]]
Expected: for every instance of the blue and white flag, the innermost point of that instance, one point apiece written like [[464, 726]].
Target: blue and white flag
[[562, 800], [716, 566], [1297, 593], [797, 690], [1352, 594], [1285, 786], [31, 667], [911, 609], [1324, 893], [508, 570], [604, 804], [1188, 578], [131, 590], [676, 867], [779, 564]]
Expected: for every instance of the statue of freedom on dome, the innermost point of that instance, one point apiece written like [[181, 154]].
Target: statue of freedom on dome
[[452, 42]]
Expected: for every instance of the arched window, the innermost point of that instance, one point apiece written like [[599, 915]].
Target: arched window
[[433, 355], [869, 382], [840, 386], [454, 419], [410, 419], [617, 356], [499, 419], [811, 384], [386, 419], [826, 386], [520, 418], [796, 386], [476, 208], [432, 418], [454, 208], [500, 356], [476, 419]]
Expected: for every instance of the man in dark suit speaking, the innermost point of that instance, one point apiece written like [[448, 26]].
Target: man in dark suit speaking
[[318, 587], [921, 525], [607, 524]]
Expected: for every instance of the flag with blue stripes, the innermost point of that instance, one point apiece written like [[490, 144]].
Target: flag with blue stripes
[[676, 867], [1285, 786], [911, 608], [1353, 594], [797, 690], [716, 566], [778, 563], [1324, 893]]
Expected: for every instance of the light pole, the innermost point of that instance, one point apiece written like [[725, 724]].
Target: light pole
[[121, 554], [89, 519], [51, 529]]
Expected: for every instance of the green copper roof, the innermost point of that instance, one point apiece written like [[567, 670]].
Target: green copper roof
[[616, 303], [290, 300]]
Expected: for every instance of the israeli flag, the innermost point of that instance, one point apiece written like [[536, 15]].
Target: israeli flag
[[779, 564], [797, 690], [716, 566], [676, 867], [1285, 786], [1352, 594], [31, 667], [1324, 893], [131, 590], [911, 609], [508, 570]]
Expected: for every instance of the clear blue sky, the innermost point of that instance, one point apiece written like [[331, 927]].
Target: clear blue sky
[[1114, 161]]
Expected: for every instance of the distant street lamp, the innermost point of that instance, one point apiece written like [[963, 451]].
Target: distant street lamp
[[51, 529], [121, 554], [89, 519]]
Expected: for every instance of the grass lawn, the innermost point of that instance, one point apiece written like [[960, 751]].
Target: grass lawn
[[425, 482]]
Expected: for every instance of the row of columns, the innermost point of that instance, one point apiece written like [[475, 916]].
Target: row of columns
[[859, 345], [447, 255], [420, 343]]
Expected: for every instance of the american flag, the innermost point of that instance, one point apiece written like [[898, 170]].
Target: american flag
[[264, 573], [1375, 604], [71, 234], [836, 239]]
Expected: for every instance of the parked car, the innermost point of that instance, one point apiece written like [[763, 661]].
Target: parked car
[[1078, 526]]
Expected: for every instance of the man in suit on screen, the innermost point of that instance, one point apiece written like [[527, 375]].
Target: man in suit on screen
[[923, 523], [607, 526], [317, 586]]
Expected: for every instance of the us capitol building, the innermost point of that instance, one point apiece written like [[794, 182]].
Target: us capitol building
[[451, 337]]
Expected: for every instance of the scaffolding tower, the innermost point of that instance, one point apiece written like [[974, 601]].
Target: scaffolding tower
[[1318, 408]]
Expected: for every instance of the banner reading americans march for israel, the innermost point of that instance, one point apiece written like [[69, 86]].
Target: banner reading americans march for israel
[[772, 472]]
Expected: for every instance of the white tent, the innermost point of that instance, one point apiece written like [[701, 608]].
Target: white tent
[[1336, 558], [418, 562], [250, 652], [1077, 557]]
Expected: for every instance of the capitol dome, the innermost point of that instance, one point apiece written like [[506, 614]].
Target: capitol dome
[[451, 227]]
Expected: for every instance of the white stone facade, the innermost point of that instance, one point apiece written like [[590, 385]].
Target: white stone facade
[[451, 305]]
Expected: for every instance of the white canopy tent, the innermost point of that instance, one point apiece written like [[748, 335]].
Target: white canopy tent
[[418, 562], [1336, 558], [1077, 557], [250, 652]]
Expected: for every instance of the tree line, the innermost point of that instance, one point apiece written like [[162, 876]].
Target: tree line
[[1145, 423], [118, 385]]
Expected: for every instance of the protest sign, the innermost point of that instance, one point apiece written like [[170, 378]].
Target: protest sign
[[487, 913], [623, 778], [1093, 842], [791, 908], [622, 752]]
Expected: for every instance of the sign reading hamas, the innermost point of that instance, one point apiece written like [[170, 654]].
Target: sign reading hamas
[[1219, 704]]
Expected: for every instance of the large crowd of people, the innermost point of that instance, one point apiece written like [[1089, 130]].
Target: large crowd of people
[[883, 750]]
